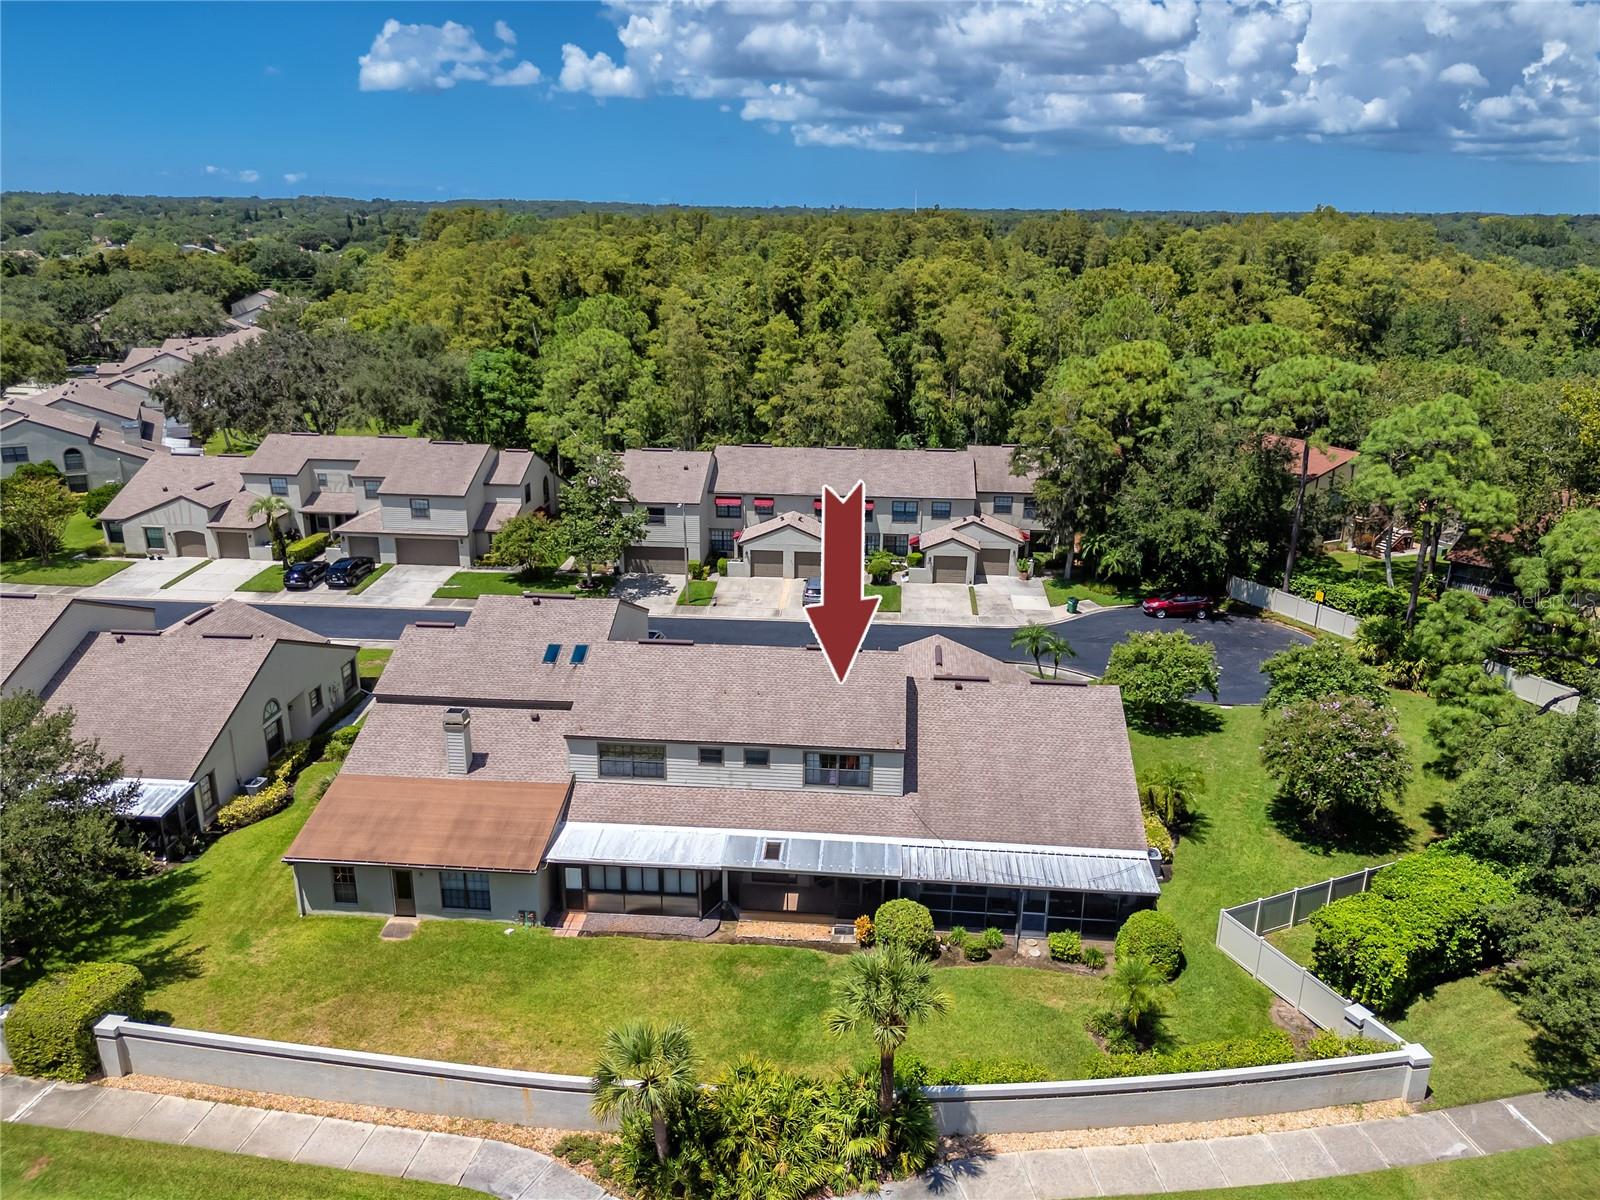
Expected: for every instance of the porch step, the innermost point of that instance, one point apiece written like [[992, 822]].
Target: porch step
[[571, 925], [399, 929]]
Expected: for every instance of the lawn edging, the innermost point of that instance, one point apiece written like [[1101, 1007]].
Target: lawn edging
[[378, 573], [179, 578]]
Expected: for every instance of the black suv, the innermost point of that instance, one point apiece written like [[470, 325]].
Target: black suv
[[347, 572], [303, 576]]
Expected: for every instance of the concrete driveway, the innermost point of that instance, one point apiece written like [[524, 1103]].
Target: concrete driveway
[[404, 585], [215, 580], [218, 580], [655, 593]]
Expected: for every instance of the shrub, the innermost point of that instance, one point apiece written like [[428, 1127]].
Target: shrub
[[993, 938], [1263, 1050], [1320, 669], [722, 567], [865, 935], [970, 1072], [906, 924], [1065, 946], [1328, 1044], [1425, 920], [957, 937], [914, 559], [247, 810], [96, 499], [1342, 755], [697, 569], [880, 565], [307, 548], [1152, 935], [975, 951], [50, 1032], [1094, 957], [1156, 834], [337, 746]]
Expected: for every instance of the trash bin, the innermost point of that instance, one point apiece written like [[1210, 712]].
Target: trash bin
[[1072, 604]]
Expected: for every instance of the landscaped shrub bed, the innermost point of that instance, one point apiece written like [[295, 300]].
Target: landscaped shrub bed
[[307, 548], [1263, 1050], [1425, 920], [968, 1072], [907, 924], [50, 1031], [1152, 935], [276, 796]]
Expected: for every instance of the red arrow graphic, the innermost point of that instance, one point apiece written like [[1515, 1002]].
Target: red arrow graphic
[[842, 619]]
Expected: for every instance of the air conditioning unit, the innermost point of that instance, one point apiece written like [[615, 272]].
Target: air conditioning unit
[[252, 786]]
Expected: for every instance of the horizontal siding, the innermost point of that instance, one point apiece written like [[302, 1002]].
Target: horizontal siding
[[786, 772], [446, 516]]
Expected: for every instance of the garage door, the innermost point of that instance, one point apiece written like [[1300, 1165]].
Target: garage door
[[432, 552], [807, 563], [949, 569], [995, 563], [360, 547], [188, 543], [765, 564], [233, 545], [655, 560]]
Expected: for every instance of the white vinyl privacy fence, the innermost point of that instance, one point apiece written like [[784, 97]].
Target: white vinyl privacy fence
[[1536, 690]]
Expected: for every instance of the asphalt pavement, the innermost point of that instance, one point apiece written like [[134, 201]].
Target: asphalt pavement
[[1242, 643]]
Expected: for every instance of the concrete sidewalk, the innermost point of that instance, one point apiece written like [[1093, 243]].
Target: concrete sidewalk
[[499, 1169], [1539, 1119]]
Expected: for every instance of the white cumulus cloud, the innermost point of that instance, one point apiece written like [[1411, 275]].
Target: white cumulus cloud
[[294, 176], [1502, 78], [434, 58], [244, 175]]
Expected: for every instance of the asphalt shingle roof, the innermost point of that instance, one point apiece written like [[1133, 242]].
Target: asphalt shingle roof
[[799, 471], [211, 480], [666, 476], [992, 470]]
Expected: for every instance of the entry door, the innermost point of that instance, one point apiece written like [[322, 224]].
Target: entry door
[[1035, 908], [572, 880], [405, 901]]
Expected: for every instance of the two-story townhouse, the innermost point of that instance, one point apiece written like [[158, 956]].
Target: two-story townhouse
[[195, 711], [88, 451], [250, 309], [189, 506], [670, 485], [587, 774], [139, 423]]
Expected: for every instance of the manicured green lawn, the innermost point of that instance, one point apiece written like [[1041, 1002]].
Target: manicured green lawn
[[1087, 589], [81, 534], [378, 573], [180, 578], [890, 593], [698, 592], [62, 1164], [1565, 1169], [270, 580], [469, 585], [83, 572], [370, 664]]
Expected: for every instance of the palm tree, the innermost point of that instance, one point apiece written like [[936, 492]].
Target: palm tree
[[1169, 790], [1138, 994], [1035, 639], [1058, 648], [645, 1068], [273, 507], [885, 991]]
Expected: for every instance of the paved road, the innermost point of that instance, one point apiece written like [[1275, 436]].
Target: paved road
[[1242, 643]]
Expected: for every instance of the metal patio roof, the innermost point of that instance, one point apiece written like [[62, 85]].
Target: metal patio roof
[[153, 798]]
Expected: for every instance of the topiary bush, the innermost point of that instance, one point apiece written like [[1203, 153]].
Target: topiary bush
[[906, 924], [722, 567], [1065, 946], [307, 548], [914, 559], [1426, 919], [1263, 1050], [50, 1031], [1152, 935]]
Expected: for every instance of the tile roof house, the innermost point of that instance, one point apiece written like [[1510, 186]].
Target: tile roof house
[[389, 498], [1325, 469], [683, 780], [706, 506], [194, 711], [88, 448]]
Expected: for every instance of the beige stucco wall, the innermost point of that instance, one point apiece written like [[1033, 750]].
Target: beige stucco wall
[[100, 464], [509, 893], [786, 769]]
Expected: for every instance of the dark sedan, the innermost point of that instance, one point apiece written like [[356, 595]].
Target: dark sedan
[[347, 572], [303, 576], [1180, 604]]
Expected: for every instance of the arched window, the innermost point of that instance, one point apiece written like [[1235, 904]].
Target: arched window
[[77, 479], [72, 460], [272, 727]]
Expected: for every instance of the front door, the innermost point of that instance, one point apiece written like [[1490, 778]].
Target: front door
[[572, 879], [1035, 908], [405, 901]]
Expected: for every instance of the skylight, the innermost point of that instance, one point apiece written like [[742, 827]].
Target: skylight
[[579, 653], [552, 652]]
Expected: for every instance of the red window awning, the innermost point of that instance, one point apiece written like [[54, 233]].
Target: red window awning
[[765, 502], [869, 506], [737, 534], [914, 540], [733, 501]]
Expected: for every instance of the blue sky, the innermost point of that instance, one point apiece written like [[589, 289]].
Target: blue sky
[[1093, 103]]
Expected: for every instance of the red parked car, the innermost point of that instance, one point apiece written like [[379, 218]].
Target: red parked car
[[1179, 604]]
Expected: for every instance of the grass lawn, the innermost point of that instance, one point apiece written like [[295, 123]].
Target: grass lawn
[[270, 580], [890, 593], [378, 573], [61, 1163], [370, 664], [469, 585], [220, 443], [1565, 1169], [179, 578], [1087, 589], [697, 592], [82, 572]]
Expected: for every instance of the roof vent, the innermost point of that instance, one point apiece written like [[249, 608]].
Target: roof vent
[[457, 740], [938, 656]]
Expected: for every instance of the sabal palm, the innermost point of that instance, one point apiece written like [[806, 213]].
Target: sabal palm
[[885, 992], [1035, 639], [272, 507], [1137, 992], [645, 1068]]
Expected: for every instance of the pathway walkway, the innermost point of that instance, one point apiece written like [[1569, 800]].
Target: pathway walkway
[[1539, 1119], [503, 1170]]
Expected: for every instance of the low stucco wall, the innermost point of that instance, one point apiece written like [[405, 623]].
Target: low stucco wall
[[562, 1101]]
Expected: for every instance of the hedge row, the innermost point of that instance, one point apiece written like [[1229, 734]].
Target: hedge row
[[275, 797], [1263, 1050], [50, 1031], [967, 1072], [307, 548], [1425, 920]]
